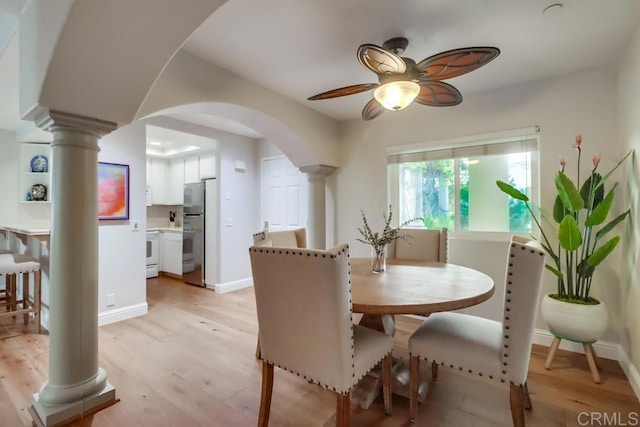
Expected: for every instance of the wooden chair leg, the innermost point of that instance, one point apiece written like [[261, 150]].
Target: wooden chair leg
[[588, 351], [516, 396], [7, 292], [37, 299], [552, 352], [434, 371], [387, 363], [258, 350], [14, 288], [527, 398], [413, 387], [265, 397], [343, 409], [25, 296]]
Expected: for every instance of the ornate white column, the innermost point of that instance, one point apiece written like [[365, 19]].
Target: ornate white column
[[317, 176], [76, 385]]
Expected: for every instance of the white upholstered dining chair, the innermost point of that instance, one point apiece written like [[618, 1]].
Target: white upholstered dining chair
[[303, 299], [483, 347], [422, 245], [295, 238]]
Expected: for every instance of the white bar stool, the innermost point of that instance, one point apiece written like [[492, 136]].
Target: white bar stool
[[12, 264], [6, 295]]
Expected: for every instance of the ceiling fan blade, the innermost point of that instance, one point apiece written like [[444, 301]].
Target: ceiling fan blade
[[372, 110], [438, 94], [343, 91], [380, 60], [453, 63]]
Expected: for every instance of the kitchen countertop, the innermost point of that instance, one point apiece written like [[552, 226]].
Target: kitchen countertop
[[44, 229], [27, 228], [166, 229]]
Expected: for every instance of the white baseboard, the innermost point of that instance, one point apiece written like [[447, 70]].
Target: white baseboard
[[223, 288], [123, 313], [634, 378]]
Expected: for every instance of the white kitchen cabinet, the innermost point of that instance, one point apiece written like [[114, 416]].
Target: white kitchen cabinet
[[191, 169], [38, 175], [160, 251], [207, 165], [172, 253], [158, 181], [197, 168], [175, 182], [165, 180]]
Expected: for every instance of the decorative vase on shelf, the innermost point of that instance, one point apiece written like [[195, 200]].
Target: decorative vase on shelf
[[39, 163], [38, 192], [378, 258]]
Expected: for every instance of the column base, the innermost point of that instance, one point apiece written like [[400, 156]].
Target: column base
[[62, 414]]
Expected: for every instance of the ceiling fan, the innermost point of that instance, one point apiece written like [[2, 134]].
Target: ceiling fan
[[402, 80]]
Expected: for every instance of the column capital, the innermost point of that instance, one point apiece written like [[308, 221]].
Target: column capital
[[317, 172], [55, 120]]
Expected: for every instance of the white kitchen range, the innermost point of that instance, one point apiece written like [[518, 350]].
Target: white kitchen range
[[152, 254]]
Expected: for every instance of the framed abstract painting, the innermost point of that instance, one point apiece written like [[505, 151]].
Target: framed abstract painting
[[113, 191]]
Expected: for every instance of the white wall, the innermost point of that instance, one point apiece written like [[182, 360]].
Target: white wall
[[9, 176], [562, 107], [192, 84], [239, 203], [9, 173], [629, 128], [121, 250], [267, 148], [122, 256]]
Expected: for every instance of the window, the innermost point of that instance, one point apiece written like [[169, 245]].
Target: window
[[456, 188]]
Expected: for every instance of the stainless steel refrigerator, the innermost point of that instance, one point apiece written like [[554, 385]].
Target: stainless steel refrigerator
[[193, 232]]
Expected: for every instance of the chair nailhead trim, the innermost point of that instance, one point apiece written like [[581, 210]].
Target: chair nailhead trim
[[321, 384]]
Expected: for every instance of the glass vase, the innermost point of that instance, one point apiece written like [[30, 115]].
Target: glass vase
[[378, 258]]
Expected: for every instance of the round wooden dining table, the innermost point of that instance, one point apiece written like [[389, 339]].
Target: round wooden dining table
[[415, 287], [411, 287]]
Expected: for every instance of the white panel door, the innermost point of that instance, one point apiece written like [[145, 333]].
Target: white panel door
[[284, 194]]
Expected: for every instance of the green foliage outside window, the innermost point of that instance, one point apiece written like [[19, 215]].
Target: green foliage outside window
[[428, 189]]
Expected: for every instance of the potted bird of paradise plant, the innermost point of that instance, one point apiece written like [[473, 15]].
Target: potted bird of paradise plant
[[580, 245]]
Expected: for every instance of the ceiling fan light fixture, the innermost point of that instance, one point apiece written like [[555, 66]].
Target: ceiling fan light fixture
[[397, 95]]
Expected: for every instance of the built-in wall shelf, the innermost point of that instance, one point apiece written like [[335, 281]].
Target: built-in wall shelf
[[35, 172]]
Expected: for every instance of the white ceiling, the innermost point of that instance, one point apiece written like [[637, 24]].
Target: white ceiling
[[302, 47], [169, 143]]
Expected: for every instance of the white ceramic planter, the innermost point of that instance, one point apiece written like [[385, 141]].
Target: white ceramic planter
[[575, 322]]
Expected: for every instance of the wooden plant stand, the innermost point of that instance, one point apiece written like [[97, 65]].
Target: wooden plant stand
[[589, 352]]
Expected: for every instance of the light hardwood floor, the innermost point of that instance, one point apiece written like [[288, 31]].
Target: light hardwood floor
[[190, 362]]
